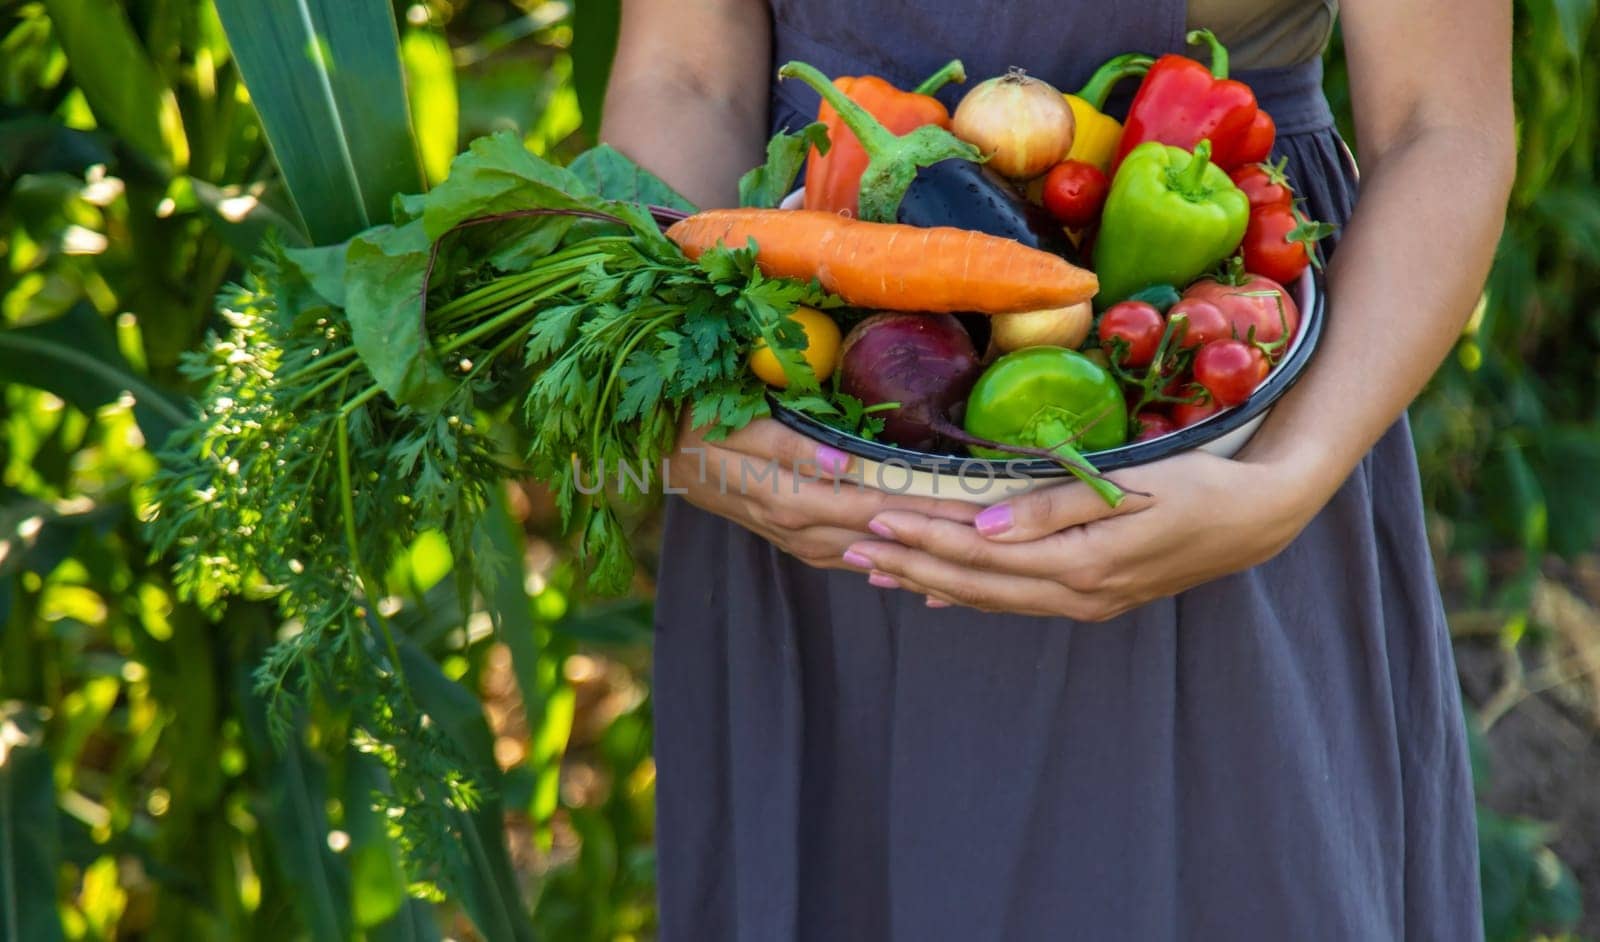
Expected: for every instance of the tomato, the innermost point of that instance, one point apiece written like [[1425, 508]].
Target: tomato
[[821, 352], [1264, 184], [1074, 193], [1271, 247], [1206, 323], [1138, 325], [1259, 303], [1230, 370], [1256, 145], [1185, 414], [1154, 424]]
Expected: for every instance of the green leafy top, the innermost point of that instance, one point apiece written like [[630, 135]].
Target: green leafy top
[[344, 410]]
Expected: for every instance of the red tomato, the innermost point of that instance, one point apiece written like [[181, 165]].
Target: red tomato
[[1264, 184], [1186, 414], [1259, 303], [1206, 323], [1074, 193], [1153, 424], [1230, 370], [1256, 145], [1270, 248], [1138, 325]]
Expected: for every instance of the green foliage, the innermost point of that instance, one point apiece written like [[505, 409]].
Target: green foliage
[[143, 792]]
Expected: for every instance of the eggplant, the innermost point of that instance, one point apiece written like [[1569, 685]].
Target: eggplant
[[966, 195]]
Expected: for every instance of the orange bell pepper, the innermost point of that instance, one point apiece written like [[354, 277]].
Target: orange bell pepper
[[833, 180]]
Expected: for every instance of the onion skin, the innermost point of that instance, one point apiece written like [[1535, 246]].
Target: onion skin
[[1055, 327], [925, 362], [1022, 124]]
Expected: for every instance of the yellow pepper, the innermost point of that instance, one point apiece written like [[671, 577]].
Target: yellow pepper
[[1098, 134]]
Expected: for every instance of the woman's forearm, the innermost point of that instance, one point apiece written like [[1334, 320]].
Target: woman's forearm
[[1407, 275], [688, 92]]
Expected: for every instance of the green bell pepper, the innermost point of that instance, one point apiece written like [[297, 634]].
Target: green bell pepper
[[1049, 398], [1170, 218]]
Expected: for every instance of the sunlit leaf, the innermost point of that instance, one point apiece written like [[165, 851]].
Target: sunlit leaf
[[431, 86], [76, 357]]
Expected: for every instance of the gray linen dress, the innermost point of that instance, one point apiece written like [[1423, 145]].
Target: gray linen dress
[[1276, 755]]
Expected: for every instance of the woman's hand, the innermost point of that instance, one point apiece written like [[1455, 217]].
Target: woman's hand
[[1061, 551], [791, 490]]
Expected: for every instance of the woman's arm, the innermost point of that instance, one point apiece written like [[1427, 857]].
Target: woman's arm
[[688, 99], [1431, 83], [688, 92]]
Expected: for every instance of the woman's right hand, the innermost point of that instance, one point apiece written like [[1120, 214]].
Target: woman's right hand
[[794, 492]]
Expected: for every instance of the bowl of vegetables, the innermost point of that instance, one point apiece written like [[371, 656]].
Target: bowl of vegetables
[[986, 477], [1205, 308]]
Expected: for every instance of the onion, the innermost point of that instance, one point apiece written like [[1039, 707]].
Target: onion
[[923, 362], [1054, 327], [1023, 124]]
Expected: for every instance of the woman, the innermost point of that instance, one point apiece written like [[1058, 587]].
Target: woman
[[1227, 711]]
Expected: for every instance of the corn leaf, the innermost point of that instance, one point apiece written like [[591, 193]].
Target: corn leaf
[[118, 78], [326, 79], [76, 357], [295, 815], [377, 881]]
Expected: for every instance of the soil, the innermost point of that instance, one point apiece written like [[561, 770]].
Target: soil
[[1544, 764]]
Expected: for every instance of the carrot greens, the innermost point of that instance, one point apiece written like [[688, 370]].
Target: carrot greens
[[349, 392]]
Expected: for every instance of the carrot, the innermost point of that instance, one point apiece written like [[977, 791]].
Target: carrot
[[891, 267]]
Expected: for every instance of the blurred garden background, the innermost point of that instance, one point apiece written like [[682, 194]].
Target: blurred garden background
[[140, 795]]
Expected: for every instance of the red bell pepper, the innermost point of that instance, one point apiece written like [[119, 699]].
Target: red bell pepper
[[1182, 103], [833, 180]]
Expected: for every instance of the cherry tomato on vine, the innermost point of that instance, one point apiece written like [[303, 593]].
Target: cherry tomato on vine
[[1230, 370], [1205, 320], [1153, 424], [1138, 325], [1276, 244], [1074, 193], [1265, 184], [1258, 303], [1185, 414]]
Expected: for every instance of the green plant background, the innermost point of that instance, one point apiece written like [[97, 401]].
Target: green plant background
[[140, 796]]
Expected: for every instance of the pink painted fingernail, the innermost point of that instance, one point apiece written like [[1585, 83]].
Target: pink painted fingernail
[[881, 529], [937, 603], [832, 460], [883, 581], [993, 521], [853, 558]]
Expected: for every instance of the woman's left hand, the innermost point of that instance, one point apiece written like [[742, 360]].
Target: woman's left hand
[[1061, 551]]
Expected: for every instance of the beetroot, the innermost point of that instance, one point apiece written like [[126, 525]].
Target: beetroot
[[924, 362]]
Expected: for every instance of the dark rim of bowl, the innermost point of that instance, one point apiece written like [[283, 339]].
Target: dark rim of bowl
[[1123, 456]]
